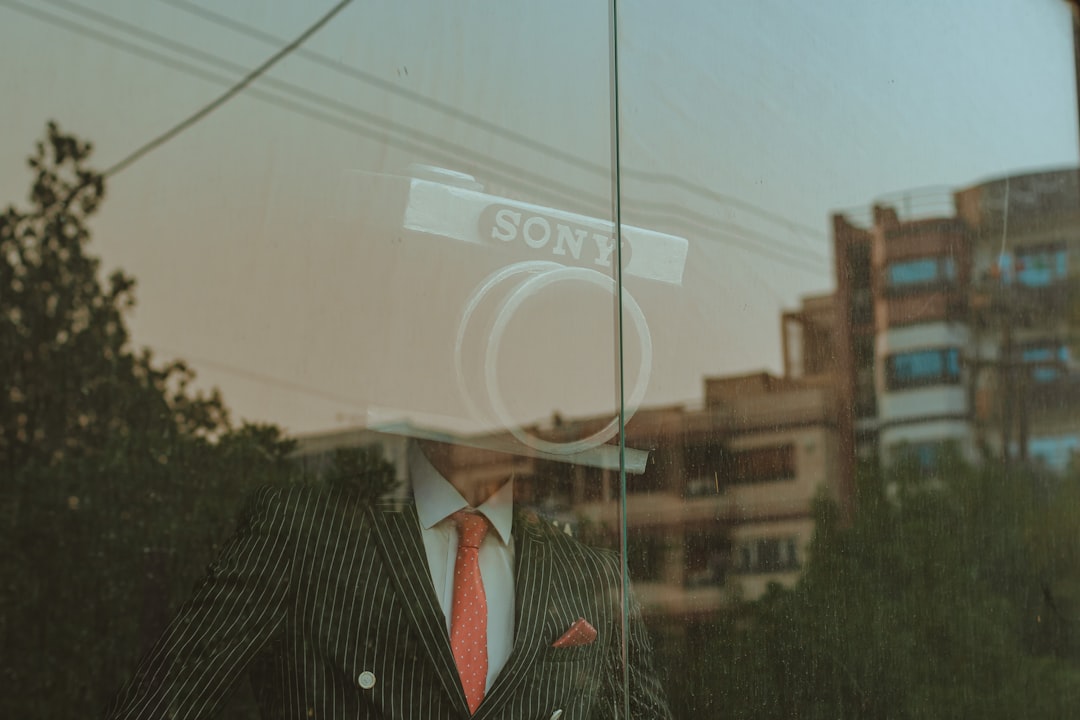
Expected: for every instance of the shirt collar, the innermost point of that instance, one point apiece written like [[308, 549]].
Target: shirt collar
[[436, 499]]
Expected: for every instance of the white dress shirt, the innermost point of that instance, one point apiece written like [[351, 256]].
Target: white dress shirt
[[436, 501]]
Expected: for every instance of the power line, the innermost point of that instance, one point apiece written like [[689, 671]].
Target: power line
[[264, 379], [202, 112], [513, 172], [115, 42], [676, 216], [227, 95], [683, 216], [482, 123], [679, 216], [342, 123]]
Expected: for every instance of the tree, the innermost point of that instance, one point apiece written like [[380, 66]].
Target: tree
[[118, 482], [71, 382], [954, 597]]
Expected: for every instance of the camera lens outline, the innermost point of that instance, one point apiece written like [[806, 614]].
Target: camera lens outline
[[546, 273], [471, 306]]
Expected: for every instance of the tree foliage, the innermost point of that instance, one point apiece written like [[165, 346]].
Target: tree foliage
[[71, 381], [944, 598], [958, 597], [117, 480]]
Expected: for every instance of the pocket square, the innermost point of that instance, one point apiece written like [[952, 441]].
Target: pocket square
[[580, 633]]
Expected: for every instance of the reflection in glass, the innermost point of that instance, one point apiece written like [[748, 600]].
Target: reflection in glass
[[850, 460]]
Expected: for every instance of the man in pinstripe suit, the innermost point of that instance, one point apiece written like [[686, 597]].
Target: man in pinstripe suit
[[335, 608]]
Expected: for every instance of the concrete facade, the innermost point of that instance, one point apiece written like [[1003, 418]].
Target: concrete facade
[[725, 504], [956, 328]]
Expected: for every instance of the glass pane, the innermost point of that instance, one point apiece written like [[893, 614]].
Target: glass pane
[[861, 414], [798, 438], [385, 231]]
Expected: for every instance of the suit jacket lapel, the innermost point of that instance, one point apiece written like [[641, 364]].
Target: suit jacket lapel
[[397, 532], [532, 580]]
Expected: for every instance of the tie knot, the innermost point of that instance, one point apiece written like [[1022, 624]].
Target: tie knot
[[471, 527]]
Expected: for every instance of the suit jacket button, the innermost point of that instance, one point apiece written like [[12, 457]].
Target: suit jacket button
[[366, 680]]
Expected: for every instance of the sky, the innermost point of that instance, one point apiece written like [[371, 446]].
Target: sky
[[268, 240]]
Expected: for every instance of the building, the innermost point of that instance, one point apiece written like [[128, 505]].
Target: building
[[725, 503], [948, 328], [955, 329]]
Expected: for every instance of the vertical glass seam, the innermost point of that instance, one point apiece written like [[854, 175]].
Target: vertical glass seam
[[616, 202]]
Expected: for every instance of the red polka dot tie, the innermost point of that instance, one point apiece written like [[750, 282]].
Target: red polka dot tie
[[468, 611]]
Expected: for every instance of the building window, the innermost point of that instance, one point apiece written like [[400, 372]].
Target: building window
[[657, 475], [711, 466], [913, 275], [769, 554], [1041, 266], [764, 464], [923, 367], [707, 553], [704, 465], [1047, 361], [1057, 453]]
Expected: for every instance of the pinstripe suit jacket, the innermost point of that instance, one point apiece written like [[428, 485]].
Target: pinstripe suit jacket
[[318, 594]]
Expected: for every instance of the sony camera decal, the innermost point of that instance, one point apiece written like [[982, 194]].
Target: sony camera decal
[[485, 315]]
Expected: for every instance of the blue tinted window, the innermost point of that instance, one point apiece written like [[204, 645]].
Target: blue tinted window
[[1055, 452], [913, 272], [913, 366], [1041, 268], [952, 362], [923, 367], [1045, 357], [948, 268], [924, 271]]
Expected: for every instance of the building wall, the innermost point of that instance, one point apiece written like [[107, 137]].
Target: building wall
[[703, 533], [989, 288], [724, 507]]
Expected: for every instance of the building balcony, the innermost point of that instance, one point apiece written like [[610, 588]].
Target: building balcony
[[737, 504]]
